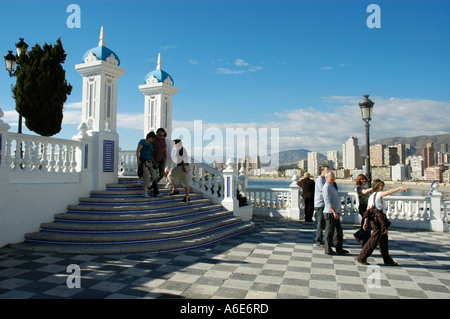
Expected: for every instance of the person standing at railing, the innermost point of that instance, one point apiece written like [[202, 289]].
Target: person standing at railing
[[380, 224], [181, 169], [331, 213], [319, 206], [145, 161], [308, 185], [363, 195]]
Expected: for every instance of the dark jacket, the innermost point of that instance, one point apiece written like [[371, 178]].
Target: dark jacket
[[307, 185]]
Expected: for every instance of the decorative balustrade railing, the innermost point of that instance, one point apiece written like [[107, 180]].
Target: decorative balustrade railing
[[407, 208], [416, 212], [207, 180], [29, 153], [269, 201], [127, 163]]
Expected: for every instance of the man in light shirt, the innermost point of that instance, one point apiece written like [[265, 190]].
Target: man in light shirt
[[331, 213], [319, 206]]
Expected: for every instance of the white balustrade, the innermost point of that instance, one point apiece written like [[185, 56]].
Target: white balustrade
[[127, 163], [413, 212], [207, 180], [28, 153]]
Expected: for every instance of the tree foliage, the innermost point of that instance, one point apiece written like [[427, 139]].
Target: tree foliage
[[41, 88]]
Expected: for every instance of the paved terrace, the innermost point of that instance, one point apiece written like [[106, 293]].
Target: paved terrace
[[277, 260]]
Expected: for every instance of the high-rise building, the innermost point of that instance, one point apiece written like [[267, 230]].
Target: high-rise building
[[303, 164], [313, 163], [333, 159], [417, 167], [391, 157], [401, 152], [434, 173], [377, 155], [428, 155], [351, 156]]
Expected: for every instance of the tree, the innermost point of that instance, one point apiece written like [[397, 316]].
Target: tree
[[41, 88]]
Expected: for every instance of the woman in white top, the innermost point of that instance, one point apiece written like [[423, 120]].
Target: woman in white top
[[379, 226]]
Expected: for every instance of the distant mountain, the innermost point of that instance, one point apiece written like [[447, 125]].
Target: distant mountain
[[294, 156], [417, 143]]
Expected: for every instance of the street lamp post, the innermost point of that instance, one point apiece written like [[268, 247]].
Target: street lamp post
[[366, 106], [10, 63]]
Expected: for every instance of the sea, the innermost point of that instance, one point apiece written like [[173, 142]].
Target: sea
[[344, 187]]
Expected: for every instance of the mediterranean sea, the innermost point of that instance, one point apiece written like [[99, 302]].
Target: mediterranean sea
[[348, 186]]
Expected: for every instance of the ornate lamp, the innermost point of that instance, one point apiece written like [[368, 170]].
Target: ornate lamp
[[366, 106]]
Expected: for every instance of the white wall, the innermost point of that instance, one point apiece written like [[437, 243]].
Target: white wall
[[27, 204]]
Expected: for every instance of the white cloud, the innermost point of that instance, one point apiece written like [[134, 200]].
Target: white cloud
[[167, 47], [242, 67], [240, 62], [307, 127], [323, 130], [326, 68], [192, 61]]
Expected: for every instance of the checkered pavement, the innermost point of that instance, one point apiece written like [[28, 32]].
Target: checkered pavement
[[277, 260]]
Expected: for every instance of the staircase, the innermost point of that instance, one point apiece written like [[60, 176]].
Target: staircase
[[119, 220]]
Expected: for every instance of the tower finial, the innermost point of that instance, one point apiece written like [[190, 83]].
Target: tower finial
[[158, 66], [101, 43]]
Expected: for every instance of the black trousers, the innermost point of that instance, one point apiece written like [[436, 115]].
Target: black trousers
[[333, 225], [379, 238], [309, 209]]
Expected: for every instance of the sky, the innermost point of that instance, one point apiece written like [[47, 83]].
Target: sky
[[299, 67]]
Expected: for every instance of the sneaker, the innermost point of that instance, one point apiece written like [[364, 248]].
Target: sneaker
[[145, 195], [157, 195]]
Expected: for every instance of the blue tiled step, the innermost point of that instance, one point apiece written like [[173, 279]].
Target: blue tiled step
[[153, 215], [119, 221], [193, 242], [83, 228], [131, 238]]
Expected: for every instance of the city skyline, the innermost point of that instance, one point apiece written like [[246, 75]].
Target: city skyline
[[299, 66]]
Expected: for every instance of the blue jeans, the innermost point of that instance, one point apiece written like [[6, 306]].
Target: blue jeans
[[320, 222]]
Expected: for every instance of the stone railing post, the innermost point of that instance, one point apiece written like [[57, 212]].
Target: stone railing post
[[242, 180], [436, 215], [4, 127], [295, 199], [230, 175]]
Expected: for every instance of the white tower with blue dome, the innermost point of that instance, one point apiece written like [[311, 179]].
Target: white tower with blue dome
[[158, 90], [100, 70]]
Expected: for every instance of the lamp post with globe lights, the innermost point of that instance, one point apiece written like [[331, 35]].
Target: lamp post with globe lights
[[366, 106], [10, 63]]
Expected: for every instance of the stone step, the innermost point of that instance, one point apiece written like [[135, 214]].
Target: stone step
[[141, 225], [149, 207], [119, 220], [129, 237], [121, 201], [151, 214], [193, 242]]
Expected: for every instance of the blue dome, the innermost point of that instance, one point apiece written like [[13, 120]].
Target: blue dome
[[160, 75], [101, 52]]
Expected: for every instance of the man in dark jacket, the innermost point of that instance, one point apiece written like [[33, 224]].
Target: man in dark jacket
[[308, 185]]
